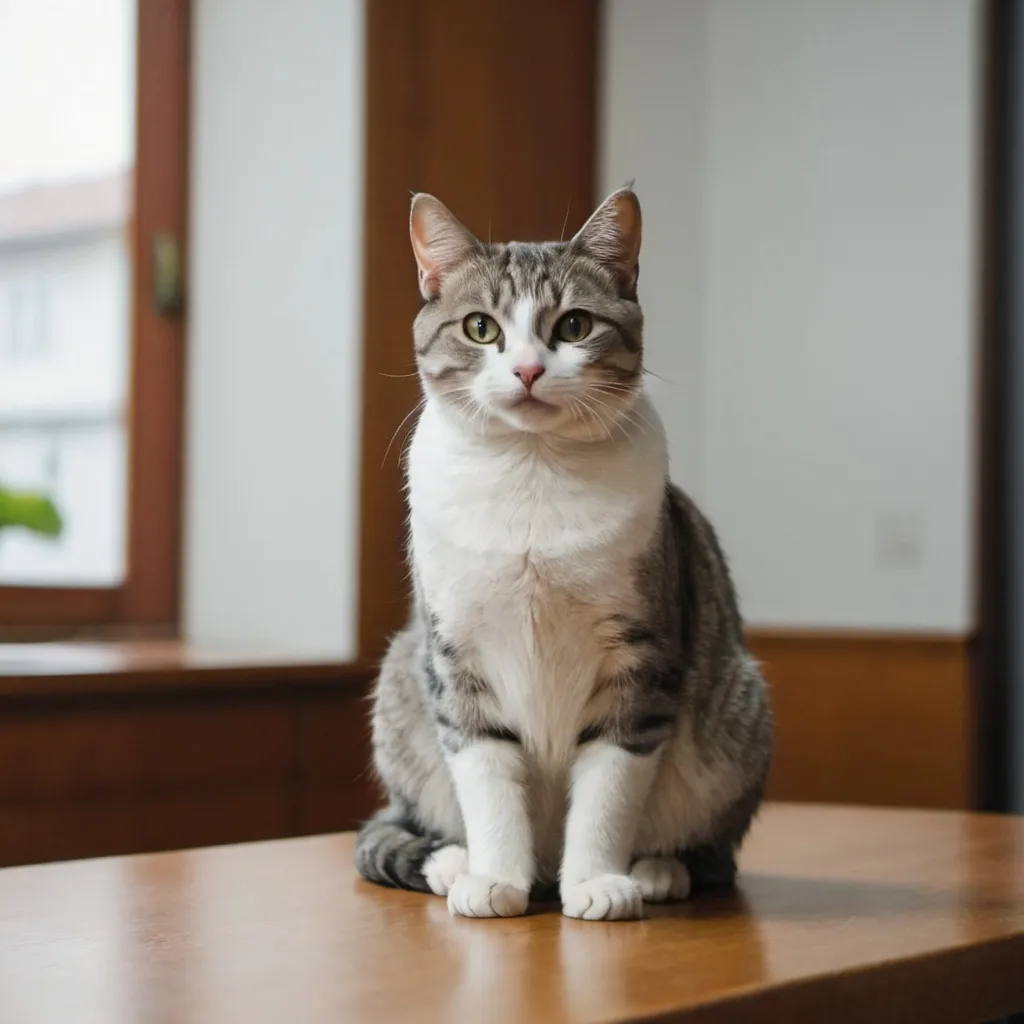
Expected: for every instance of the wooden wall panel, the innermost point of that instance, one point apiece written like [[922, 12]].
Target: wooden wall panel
[[461, 103], [79, 827], [872, 720], [335, 788], [145, 747], [86, 774]]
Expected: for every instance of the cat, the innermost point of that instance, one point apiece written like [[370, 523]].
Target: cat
[[571, 709]]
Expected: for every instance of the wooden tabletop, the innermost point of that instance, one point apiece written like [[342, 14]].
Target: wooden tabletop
[[843, 915]]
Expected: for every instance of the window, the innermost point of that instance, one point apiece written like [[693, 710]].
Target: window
[[24, 321], [92, 172]]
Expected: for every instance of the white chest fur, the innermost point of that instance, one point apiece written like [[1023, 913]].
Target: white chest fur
[[524, 548]]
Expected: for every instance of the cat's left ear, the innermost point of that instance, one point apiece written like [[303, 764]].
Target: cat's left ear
[[440, 241], [612, 237]]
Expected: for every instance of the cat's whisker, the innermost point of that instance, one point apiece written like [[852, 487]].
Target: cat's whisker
[[614, 391], [406, 446], [651, 373], [574, 409], [634, 418], [616, 416], [475, 410], [613, 387], [405, 419], [599, 419], [628, 413]]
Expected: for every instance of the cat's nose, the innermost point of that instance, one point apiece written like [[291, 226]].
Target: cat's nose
[[528, 374]]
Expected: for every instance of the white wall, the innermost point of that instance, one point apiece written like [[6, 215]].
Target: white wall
[[653, 125], [807, 173], [275, 324]]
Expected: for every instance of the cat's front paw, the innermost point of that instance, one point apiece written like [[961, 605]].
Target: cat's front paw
[[605, 898], [443, 866], [479, 896], [661, 879]]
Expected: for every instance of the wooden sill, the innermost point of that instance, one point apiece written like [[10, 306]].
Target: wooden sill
[[48, 669]]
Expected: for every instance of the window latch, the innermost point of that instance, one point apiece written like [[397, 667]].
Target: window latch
[[168, 277]]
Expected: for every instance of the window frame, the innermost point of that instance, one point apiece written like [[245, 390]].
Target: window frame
[[149, 596]]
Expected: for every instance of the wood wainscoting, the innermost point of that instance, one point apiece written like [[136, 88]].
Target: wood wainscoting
[[153, 753], [870, 719]]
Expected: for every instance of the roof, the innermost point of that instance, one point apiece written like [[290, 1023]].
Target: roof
[[62, 208]]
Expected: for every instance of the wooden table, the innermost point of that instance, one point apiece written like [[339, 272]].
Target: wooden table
[[843, 915]]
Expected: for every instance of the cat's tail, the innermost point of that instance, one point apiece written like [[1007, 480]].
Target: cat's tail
[[391, 851], [710, 867]]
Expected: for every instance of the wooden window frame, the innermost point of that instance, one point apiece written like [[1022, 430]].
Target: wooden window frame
[[149, 595]]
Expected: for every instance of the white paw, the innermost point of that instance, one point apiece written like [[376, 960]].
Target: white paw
[[605, 898], [443, 866], [478, 896], [661, 879]]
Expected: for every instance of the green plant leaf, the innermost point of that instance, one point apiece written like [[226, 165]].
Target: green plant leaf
[[30, 511]]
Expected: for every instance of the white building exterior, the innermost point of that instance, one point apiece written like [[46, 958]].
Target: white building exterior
[[64, 369]]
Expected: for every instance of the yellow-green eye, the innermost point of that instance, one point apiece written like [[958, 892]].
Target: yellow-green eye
[[481, 328], [574, 326]]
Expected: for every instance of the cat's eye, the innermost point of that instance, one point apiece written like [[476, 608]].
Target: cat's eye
[[481, 328], [574, 326]]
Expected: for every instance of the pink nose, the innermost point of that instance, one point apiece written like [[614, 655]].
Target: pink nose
[[528, 374]]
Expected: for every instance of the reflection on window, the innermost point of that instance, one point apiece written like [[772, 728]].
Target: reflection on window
[[67, 95]]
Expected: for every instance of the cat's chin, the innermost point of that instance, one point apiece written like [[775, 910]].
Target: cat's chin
[[536, 416], [532, 415], [535, 410], [557, 424]]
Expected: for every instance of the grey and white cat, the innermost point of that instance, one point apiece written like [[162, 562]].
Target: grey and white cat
[[571, 707]]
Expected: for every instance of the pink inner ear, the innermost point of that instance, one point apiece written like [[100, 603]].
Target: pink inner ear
[[627, 215], [440, 242], [419, 232], [429, 282]]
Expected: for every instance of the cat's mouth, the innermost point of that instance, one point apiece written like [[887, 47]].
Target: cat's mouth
[[527, 401]]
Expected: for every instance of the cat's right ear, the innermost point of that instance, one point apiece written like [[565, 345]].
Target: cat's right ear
[[440, 242]]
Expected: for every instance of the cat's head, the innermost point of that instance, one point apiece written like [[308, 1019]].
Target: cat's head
[[543, 337]]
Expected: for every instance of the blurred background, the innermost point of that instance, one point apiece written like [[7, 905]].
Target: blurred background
[[206, 292]]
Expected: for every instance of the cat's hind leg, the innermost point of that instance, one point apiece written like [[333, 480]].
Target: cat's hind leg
[[661, 879], [664, 879]]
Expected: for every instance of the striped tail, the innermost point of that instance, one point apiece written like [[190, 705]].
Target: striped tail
[[710, 867], [390, 852]]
